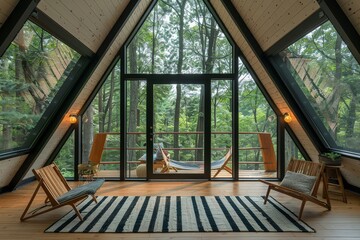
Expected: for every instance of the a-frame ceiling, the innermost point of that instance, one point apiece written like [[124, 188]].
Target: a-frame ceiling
[[91, 21]]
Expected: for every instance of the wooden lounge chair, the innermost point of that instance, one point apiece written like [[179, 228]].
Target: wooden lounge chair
[[170, 164], [58, 192], [89, 169], [221, 164], [301, 181]]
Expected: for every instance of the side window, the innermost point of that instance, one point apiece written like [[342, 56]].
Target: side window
[[324, 76], [32, 72]]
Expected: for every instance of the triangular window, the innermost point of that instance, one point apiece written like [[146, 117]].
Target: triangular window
[[180, 37]]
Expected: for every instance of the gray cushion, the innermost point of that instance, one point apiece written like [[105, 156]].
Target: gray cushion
[[298, 181], [158, 154], [86, 189]]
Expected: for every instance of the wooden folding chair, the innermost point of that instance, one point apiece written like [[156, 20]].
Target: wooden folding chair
[[170, 164], [89, 169], [305, 172], [58, 192], [221, 164]]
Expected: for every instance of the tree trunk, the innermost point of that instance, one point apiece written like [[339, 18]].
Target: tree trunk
[[88, 133], [101, 110], [179, 71], [109, 107], [209, 65], [176, 120], [351, 118], [133, 105]]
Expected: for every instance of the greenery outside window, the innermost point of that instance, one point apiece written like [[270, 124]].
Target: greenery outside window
[[324, 76], [65, 159], [180, 37], [32, 72]]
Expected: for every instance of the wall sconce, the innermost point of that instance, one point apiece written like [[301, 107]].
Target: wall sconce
[[73, 118], [287, 117]]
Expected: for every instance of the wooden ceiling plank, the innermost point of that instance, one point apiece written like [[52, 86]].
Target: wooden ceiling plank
[[290, 25], [259, 11], [55, 11], [84, 14], [279, 15], [292, 14], [265, 16]]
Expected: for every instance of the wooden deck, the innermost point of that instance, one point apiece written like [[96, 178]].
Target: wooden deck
[[342, 222]]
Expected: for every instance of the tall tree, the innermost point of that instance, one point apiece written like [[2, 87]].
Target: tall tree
[[134, 100]]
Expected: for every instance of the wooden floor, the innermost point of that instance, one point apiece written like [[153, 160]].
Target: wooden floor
[[342, 222]]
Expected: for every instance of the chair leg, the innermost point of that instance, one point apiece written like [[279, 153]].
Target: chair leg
[[217, 172], [77, 211], [301, 209], [22, 218], [94, 198], [267, 194]]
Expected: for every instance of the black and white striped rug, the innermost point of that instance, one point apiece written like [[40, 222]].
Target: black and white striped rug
[[181, 214]]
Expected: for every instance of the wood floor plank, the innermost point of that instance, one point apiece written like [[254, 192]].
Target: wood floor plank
[[342, 222]]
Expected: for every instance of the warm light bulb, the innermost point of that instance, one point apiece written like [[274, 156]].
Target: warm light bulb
[[73, 119], [287, 117]]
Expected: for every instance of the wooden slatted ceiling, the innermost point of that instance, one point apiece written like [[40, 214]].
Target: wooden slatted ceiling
[[264, 78], [269, 20], [6, 7], [88, 20], [352, 11], [89, 87]]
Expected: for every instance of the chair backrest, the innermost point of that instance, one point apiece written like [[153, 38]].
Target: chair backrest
[[52, 182], [97, 148], [165, 158], [308, 168], [223, 161], [228, 155]]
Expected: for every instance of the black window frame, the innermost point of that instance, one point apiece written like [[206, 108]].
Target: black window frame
[[318, 130], [38, 18]]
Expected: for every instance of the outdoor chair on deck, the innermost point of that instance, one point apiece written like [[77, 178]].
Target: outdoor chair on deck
[[58, 192], [222, 163], [170, 164], [301, 181], [89, 169]]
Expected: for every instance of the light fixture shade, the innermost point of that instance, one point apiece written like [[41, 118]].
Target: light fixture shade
[[73, 119], [287, 117]]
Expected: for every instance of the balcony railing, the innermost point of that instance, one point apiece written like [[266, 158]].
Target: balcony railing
[[265, 145]]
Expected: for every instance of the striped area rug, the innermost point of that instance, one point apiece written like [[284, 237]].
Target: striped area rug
[[181, 214]]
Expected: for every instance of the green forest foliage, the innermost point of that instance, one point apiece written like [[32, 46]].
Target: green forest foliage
[[328, 76], [32, 70]]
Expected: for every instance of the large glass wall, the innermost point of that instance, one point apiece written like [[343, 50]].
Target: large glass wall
[[65, 159], [324, 76], [221, 128], [32, 72], [136, 121], [184, 146], [257, 130], [103, 116], [291, 149]]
